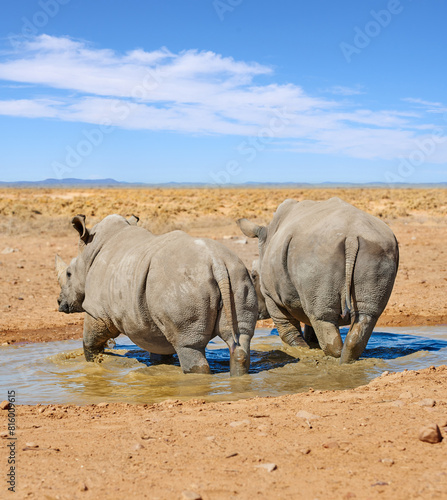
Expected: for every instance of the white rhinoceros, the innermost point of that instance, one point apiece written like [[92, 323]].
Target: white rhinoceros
[[324, 264], [169, 294]]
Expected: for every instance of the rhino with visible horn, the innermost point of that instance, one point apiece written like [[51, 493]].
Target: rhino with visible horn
[[169, 294], [324, 264]]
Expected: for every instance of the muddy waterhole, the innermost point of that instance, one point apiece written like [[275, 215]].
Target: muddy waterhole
[[56, 372]]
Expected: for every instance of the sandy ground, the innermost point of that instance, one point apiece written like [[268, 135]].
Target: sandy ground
[[360, 443]]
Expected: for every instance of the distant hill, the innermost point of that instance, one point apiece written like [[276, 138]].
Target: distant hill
[[112, 183]]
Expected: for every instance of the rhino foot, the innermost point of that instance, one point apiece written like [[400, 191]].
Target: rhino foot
[[92, 355], [239, 361]]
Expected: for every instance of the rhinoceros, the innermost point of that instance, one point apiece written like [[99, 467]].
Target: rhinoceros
[[324, 264], [169, 293]]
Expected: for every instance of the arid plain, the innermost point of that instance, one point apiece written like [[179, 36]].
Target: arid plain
[[360, 443]]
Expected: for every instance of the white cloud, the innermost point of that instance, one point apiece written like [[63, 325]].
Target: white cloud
[[201, 93]]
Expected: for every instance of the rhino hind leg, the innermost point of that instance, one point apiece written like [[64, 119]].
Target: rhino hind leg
[[289, 328], [329, 338], [239, 353], [192, 359], [357, 337]]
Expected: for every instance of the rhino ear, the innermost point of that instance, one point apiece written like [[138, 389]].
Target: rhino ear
[[249, 228], [133, 220], [79, 224]]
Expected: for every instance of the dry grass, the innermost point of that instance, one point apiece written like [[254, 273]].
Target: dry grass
[[50, 210]]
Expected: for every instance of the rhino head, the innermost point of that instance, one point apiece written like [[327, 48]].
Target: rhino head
[[72, 277], [252, 230], [72, 290]]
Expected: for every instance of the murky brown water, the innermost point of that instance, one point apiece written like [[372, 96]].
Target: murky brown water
[[56, 372]]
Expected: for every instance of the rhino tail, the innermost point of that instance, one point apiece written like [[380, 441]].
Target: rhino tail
[[224, 284], [351, 250]]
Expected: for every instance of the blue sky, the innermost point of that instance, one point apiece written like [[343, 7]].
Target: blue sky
[[223, 91]]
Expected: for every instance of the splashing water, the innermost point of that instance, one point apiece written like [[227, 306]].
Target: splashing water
[[56, 372]]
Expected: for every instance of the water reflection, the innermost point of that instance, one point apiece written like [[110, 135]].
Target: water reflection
[[56, 372]]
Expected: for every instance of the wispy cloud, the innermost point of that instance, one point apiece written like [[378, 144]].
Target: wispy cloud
[[198, 92], [430, 107], [345, 91]]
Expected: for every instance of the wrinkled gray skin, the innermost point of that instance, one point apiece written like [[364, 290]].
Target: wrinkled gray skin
[[169, 294], [325, 264]]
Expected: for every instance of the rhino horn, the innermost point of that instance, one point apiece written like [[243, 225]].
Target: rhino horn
[[79, 224], [61, 268]]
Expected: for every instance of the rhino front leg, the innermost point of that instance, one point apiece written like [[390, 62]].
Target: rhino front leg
[[192, 359], [95, 337]]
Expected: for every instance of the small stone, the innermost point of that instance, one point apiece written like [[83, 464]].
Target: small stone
[[238, 423], [242, 242], [146, 436], [5, 343], [398, 403], [427, 402], [308, 416], [268, 467], [443, 423], [191, 495], [3, 434], [4, 405], [102, 405], [137, 447], [387, 461], [41, 410], [331, 445], [83, 487], [430, 434], [7, 250], [305, 451], [385, 373], [31, 446]]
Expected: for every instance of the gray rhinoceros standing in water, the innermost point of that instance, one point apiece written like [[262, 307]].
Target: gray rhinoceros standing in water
[[169, 294], [324, 264]]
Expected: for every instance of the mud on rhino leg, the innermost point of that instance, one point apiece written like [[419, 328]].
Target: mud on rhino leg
[[289, 329], [192, 359], [357, 337], [328, 336], [95, 337]]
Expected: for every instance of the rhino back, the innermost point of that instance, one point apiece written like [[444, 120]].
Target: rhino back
[[304, 263]]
